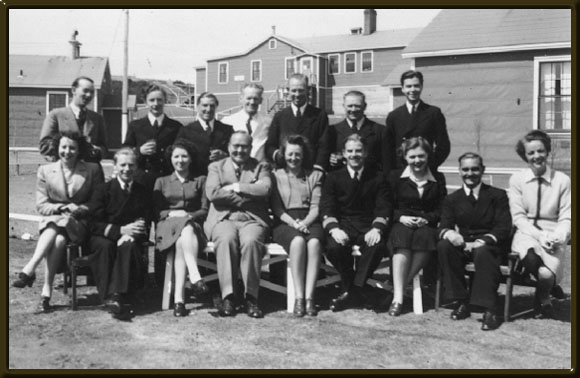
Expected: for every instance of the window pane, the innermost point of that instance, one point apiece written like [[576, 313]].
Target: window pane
[[56, 100], [555, 96], [333, 64], [349, 65], [367, 62], [256, 71], [223, 76], [289, 67]]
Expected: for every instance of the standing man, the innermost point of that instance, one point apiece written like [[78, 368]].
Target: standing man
[[355, 210], [481, 213], [356, 123], [238, 222], [209, 136], [121, 210], [300, 118], [250, 120], [150, 136], [414, 119], [77, 118]]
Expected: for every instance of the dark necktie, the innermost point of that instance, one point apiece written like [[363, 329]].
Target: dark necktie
[[356, 178], [238, 172], [298, 114], [155, 125], [81, 120], [249, 125], [126, 190], [471, 197], [538, 202], [413, 110]]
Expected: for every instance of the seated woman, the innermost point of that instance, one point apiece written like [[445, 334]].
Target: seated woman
[[417, 197], [540, 204], [295, 204], [63, 189], [182, 207]]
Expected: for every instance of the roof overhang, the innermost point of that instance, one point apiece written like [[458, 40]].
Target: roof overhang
[[46, 86], [362, 49], [489, 50]]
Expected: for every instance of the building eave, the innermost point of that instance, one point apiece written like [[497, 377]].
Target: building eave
[[488, 50]]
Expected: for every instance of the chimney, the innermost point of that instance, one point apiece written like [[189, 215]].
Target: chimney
[[273, 29], [76, 46], [370, 25]]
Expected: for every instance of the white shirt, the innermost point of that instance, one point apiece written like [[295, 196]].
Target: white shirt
[[295, 108], [411, 106], [125, 185], [420, 183], [352, 171], [475, 190], [260, 125], [205, 125], [159, 119], [76, 110], [358, 124]]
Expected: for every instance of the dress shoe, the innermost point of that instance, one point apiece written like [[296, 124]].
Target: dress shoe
[[44, 305], [311, 308], [126, 313], [299, 309], [342, 302], [113, 304], [199, 288], [557, 292], [461, 312], [252, 309], [546, 311], [24, 280], [489, 321], [179, 310], [227, 308], [396, 309]]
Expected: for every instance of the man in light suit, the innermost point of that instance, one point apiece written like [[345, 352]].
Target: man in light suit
[[481, 214], [249, 119], [209, 136], [77, 118], [238, 222]]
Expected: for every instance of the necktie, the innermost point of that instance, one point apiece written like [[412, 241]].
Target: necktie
[[538, 202], [356, 178], [126, 189], [413, 110], [81, 120], [298, 114], [155, 124], [249, 125], [471, 197], [238, 172]]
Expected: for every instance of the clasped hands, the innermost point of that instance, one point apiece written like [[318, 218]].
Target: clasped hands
[[372, 237], [73, 210], [301, 226], [457, 240], [549, 241], [413, 222]]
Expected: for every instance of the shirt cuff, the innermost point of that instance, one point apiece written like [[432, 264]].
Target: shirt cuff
[[236, 187]]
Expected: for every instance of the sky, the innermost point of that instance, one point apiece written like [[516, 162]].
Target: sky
[[168, 44]]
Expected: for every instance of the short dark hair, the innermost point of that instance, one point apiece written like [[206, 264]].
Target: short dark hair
[[531, 136], [471, 155], [83, 145], [154, 88], [301, 141], [124, 151], [241, 132], [354, 138], [411, 74], [298, 76], [194, 167], [75, 83], [414, 142], [357, 94], [208, 95]]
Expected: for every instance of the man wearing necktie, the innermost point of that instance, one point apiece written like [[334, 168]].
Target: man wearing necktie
[[76, 117], [355, 208], [251, 120], [482, 216], [356, 123]]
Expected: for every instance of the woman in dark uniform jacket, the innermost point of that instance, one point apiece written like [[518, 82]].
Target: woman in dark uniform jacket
[[417, 197], [182, 207]]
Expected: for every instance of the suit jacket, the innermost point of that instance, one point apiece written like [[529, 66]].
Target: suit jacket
[[63, 119], [406, 200], [313, 124], [365, 204], [372, 132], [112, 208], [260, 125], [489, 220], [141, 131], [255, 186], [428, 122], [219, 139]]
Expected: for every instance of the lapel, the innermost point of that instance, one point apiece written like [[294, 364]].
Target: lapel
[[121, 197], [70, 119], [247, 175], [57, 179], [302, 124], [366, 129], [79, 178], [89, 123], [229, 172], [483, 202], [413, 119]]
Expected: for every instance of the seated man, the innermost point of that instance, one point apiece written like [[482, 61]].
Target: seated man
[[238, 188], [121, 213], [482, 215], [355, 209]]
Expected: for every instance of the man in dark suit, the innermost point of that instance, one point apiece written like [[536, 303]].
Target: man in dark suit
[[355, 210], [482, 215], [209, 136], [414, 119], [150, 137], [300, 118], [356, 123], [121, 212], [76, 118], [238, 221]]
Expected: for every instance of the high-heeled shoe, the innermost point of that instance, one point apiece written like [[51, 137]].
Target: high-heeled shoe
[[179, 310], [44, 305], [396, 309], [24, 280], [311, 308], [299, 307]]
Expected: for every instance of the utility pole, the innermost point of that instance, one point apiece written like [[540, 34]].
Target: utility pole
[[125, 93]]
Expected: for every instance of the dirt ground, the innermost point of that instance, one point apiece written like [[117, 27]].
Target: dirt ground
[[354, 339]]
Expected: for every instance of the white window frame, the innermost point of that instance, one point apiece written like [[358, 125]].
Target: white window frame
[[48, 93], [345, 55], [338, 64], [270, 44], [286, 77], [301, 67], [536, 107], [252, 70], [372, 61], [227, 72]]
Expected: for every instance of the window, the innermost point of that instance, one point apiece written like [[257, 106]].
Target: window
[[289, 67], [349, 62], [334, 64], [256, 67], [366, 61], [552, 88], [272, 44], [56, 100], [223, 73]]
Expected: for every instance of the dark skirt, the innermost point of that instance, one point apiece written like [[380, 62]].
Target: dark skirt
[[283, 234], [169, 230], [418, 239]]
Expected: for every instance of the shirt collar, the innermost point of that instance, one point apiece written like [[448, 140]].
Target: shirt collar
[[358, 124], [123, 184], [529, 175], [475, 190], [179, 177], [409, 106], [76, 110], [159, 119], [407, 174], [302, 108], [205, 125], [351, 172]]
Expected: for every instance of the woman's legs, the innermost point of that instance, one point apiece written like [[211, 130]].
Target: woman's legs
[[44, 245], [53, 260], [180, 269], [401, 263], [298, 265], [418, 261], [312, 267], [546, 281], [190, 251]]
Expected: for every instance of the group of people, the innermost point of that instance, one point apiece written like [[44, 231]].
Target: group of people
[[295, 180]]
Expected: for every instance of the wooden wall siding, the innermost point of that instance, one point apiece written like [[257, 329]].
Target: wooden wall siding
[[26, 112], [377, 97], [200, 82]]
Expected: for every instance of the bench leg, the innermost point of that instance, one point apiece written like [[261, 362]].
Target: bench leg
[[168, 281], [508, 299], [290, 295], [74, 287], [417, 295], [438, 294]]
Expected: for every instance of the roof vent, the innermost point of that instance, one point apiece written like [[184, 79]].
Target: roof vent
[[21, 74], [76, 46], [357, 30]]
